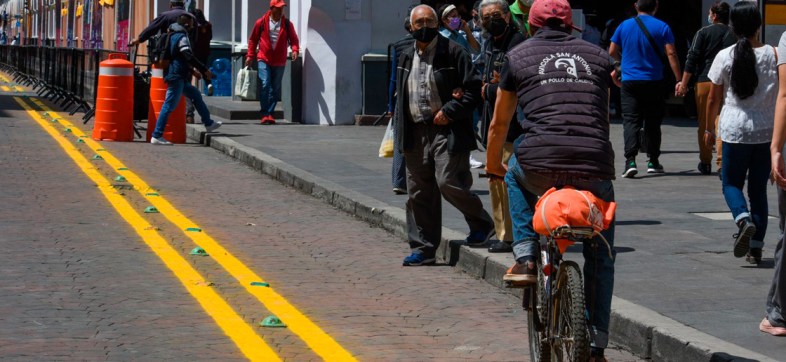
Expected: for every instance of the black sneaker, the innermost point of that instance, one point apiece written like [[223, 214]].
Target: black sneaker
[[479, 238], [743, 237], [705, 168], [630, 169], [654, 167], [754, 256], [500, 247]]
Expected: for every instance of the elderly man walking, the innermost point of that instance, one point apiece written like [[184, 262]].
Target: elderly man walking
[[273, 33], [434, 129]]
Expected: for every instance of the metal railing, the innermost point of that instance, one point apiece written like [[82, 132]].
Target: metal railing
[[66, 76]]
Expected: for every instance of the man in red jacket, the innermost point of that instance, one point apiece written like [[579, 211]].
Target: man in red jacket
[[272, 32]]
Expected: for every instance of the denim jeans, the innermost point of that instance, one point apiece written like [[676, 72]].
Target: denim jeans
[[751, 160], [523, 192], [269, 88], [176, 89]]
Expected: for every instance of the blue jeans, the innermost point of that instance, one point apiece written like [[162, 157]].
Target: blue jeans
[[174, 90], [269, 89], [751, 160], [523, 192]]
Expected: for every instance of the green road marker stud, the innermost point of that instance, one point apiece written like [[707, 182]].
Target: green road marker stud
[[198, 252], [194, 230], [79, 140], [151, 194], [272, 322], [123, 169], [68, 130], [120, 179], [260, 284], [100, 150], [151, 210], [97, 157]]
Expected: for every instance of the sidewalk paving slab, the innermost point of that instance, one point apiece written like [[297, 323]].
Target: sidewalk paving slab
[[679, 294]]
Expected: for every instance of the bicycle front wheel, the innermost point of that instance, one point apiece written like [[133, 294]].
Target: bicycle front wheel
[[571, 342]]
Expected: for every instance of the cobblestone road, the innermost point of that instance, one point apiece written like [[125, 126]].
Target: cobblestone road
[[78, 283]]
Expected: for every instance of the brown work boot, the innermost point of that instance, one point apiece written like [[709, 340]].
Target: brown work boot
[[521, 275]]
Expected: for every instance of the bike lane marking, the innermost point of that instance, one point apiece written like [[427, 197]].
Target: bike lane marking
[[315, 338], [234, 326]]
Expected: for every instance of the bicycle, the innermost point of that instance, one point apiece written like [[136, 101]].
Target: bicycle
[[557, 318]]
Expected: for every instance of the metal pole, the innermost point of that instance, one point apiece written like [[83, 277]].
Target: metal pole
[[234, 2]]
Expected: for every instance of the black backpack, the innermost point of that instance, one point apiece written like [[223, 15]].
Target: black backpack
[[158, 49]]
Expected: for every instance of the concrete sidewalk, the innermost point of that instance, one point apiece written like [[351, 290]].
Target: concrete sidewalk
[[680, 293]]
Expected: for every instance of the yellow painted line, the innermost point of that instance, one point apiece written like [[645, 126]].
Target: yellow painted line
[[320, 342], [5, 88], [247, 340]]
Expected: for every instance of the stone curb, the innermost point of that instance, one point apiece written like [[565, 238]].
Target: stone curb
[[640, 330]]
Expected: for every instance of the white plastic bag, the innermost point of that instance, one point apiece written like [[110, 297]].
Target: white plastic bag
[[386, 148], [246, 84]]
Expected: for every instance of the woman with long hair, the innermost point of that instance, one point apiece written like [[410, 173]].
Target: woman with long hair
[[745, 80]]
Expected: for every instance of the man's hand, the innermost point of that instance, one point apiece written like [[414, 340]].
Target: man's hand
[[294, 56], [248, 62], [680, 90], [440, 119], [196, 74], [709, 139], [778, 174], [494, 77], [497, 171], [208, 75], [458, 93], [133, 43], [616, 77]]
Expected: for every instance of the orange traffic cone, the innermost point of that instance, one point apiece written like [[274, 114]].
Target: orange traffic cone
[[113, 121]]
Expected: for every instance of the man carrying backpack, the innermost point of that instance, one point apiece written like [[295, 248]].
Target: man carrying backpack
[[272, 32], [160, 25], [182, 59]]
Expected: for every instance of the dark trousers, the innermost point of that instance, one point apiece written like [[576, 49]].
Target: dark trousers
[[643, 105], [398, 169], [433, 173]]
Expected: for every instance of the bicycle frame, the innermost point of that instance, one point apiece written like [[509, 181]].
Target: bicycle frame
[[550, 268]]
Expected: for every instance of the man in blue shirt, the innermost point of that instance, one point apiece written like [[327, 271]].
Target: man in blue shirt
[[643, 93]]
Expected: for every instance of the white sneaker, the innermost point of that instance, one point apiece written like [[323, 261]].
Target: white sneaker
[[213, 126], [210, 90], [474, 163], [160, 141]]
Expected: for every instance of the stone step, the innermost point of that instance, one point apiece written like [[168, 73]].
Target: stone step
[[226, 108]]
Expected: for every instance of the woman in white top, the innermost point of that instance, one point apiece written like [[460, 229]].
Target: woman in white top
[[744, 79], [775, 321]]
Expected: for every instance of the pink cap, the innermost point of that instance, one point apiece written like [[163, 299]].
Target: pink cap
[[543, 10]]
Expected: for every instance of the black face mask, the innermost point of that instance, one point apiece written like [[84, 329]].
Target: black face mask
[[425, 34], [496, 27]]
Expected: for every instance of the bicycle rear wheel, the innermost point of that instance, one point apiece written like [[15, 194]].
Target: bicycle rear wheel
[[539, 349], [571, 331]]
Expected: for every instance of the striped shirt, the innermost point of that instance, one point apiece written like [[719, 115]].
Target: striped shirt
[[424, 99]]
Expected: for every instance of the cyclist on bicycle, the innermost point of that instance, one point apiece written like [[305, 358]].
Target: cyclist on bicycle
[[562, 84]]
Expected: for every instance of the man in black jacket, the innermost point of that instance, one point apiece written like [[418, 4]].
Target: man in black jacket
[[503, 35], [562, 84], [434, 130], [161, 24]]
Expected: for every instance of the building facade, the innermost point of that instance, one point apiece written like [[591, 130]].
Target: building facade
[[334, 34]]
